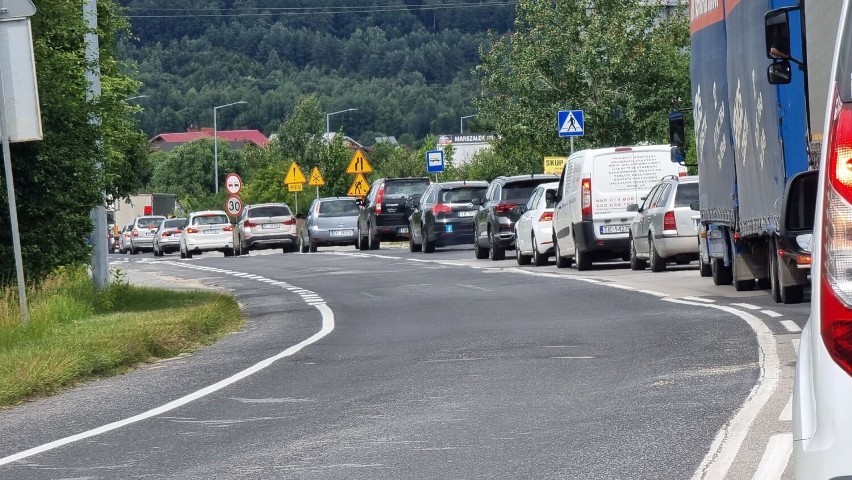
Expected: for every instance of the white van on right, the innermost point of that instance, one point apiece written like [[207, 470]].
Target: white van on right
[[590, 220], [822, 397]]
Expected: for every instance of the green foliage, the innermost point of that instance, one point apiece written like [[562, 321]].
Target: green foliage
[[625, 66]]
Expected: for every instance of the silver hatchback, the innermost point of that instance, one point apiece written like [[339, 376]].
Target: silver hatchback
[[665, 227], [330, 221]]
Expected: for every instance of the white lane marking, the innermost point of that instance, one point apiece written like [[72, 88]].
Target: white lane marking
[[728, 441], [616, 285], [419, 260], [775, 458], [787, 413], [571, 358], [795, 343], [747, 306], [654, 293], [327, 327], [698, 299], [791, 326], [771, 313]]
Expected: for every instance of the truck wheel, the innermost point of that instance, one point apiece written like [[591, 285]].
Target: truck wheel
[[722, 275], [497, 253], [658, 263], [635, 262], [704, 269]]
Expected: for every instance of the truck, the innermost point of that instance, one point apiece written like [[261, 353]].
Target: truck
[[126, 209], [756, 136]]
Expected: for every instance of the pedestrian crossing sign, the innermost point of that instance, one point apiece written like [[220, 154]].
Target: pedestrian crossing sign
[[569, 123]]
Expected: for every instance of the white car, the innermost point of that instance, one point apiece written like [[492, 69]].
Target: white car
[[534, 230], [207, 231], [822, 396]]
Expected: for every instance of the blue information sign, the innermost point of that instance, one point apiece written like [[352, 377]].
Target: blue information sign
[[569, 123], [435, 161]]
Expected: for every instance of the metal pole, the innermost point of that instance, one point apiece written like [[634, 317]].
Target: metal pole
[[100, 250], [572, 145], [215, 154], [317, 191], [13, 218], [297, 201]]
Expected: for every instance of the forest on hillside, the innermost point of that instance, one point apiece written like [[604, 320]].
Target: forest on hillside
[[406, 65]]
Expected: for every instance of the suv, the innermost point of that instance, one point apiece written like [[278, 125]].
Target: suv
[[494, 223], [386, 209], [267, 225], [142, 233], [665, 226]]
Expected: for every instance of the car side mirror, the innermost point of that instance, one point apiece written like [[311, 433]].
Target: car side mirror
[[694, 205], [633, 207], [779, 73], [776, 27], [476, 201]]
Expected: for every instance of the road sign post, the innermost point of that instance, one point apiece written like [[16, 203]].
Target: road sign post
[[316, 179], [234, 205], [233, 183], [435, 162], [295, 179], [570, 123]]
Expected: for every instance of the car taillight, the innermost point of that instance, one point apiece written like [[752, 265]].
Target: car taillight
[[503, 208], [836, 262], [441, 208], [228, 228], [380, 195], [192, 230], [546, 217], [586, 195], [166, 234], [290, 221], [249, 224], [135, 232], [669, 222]]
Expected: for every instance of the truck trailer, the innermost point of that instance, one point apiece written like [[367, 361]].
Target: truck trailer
[[125, 210], [753, 139]]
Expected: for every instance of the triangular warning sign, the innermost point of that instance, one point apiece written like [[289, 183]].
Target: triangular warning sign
[[359, 163], [359, 187], [294, 175], [570, 125], [316, 179]]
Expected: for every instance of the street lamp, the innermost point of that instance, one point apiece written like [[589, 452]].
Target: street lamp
[[327, 126], [461, 122], [134, 98], [216, 145]]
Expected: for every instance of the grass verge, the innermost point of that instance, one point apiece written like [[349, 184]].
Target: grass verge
[[76, 333]]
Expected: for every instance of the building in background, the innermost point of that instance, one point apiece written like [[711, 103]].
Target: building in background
[[465, 146], [235, 138]]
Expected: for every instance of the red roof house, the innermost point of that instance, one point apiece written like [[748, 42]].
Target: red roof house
[[235, 138]]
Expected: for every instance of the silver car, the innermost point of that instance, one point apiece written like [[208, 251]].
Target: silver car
[[124, 238], [142, 233], [330, 221], [207, 231], [665, 227], [167, 239], [267, 225]]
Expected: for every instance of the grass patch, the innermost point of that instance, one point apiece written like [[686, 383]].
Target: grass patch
[[76, 333]]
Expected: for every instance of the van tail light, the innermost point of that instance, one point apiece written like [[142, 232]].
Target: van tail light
[[586, 195], [249, 224], [546, 217], [669, 222], [228, 228], [441, 209], [192, 230], [380, 196], [503, 208], [836, 261], [135, 232], [290, 221]]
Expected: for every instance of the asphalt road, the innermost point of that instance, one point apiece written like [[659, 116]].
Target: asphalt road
[[426, 366]]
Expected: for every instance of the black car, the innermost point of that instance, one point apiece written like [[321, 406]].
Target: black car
[[386, 208], [443, 216], [495, 220]]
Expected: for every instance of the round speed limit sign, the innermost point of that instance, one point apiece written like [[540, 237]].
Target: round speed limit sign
[[234, 205]]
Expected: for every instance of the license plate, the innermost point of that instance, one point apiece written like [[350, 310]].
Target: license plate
[[610, 229], [402, 230], [210, 232], [149, 234], [448, 228], [342, 233], [467, 213], [271, 225]]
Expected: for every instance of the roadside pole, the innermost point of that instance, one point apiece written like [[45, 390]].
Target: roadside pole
[[13, 216]]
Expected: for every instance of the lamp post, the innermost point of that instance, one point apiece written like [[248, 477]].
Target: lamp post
[[461, 122], [134, 98], [216, 144], [327, 124]]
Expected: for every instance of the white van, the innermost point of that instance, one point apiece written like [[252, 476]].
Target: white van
[[591, 221]]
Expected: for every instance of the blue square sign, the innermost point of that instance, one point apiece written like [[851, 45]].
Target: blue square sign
[[569, 123], [435, 161]]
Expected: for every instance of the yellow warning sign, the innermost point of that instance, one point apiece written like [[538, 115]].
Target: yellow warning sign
[[359, 163], [294, 187], [554, 165], [294, 175], [359, 187], [316, 178]]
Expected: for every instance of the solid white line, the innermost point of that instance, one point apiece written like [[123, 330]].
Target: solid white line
[[654, 293], [622, 287], [698, 299], [418, 260], [571, 358], [775, 458], [795, 343], [771, 313], [327, 327], [730, 437], [787, 413], [747, 306], [791, 326]]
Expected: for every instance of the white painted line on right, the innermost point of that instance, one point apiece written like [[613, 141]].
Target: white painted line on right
[[747, 306], [771, 313], [795, 343], [791, 326], [787, 413], [698, 299], [775, 458]]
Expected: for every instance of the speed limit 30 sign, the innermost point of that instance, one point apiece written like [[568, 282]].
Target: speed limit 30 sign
[[234, 205]]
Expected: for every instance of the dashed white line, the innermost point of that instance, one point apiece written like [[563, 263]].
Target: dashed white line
[[771, 313], [747, 306], [775, 458], [791, 326], [698, 299]]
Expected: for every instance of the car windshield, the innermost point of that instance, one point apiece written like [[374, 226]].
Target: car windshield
[[269, 211], [686, 194], [174, 223], [405, 188], [149, 222], [212, 219], [462, 195], [518, 192], [338, 208]]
